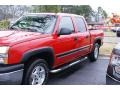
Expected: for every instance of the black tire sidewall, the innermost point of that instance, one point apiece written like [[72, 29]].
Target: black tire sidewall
[[96, 45], [91, 55], [38, 62]]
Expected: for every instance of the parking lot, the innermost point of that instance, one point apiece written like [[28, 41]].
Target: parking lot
[[85, 73]]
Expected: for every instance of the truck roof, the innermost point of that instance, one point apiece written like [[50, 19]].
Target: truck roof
[[58, 14]]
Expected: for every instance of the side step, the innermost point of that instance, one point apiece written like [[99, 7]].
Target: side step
[[68, 65]]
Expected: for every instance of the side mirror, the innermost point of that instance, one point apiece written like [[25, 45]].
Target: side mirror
[[65, 31], [91, 27], [118, 33]]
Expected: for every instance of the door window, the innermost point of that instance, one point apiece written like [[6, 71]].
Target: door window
[[66, 22], [80, 24]]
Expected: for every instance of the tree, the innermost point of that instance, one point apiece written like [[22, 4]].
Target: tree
[[11, 11], [102, 12], [18, 10], [84, 10], [105, 14], [47, 8]]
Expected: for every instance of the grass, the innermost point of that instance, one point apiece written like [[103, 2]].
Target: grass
[[109, 43], [4, 24], [106, 49], [109, 33]]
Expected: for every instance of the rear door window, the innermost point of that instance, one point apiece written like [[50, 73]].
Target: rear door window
[[80, 24]]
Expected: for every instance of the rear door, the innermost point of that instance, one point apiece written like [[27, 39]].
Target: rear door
[[83, 36]]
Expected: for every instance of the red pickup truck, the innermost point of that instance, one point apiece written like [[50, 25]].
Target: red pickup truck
[[41, 43]]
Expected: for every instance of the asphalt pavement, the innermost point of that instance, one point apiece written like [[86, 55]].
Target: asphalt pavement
[[85, 73]]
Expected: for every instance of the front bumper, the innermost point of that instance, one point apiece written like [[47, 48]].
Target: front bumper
[[11, 74], [112, 78]]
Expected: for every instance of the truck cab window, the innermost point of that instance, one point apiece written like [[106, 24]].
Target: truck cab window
[[42, 23], [80, 24], [66, 22]]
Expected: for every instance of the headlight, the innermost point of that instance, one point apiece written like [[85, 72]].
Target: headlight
[[4, 49], [4, 54], [115, 59], [117, 69]]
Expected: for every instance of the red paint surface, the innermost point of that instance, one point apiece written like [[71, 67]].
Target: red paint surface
[[20, 42]]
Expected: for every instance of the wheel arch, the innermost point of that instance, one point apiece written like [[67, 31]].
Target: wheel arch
[[98, 40], [46, 53]]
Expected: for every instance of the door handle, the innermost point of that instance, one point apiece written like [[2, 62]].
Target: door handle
[[87, 36], [75, 38]]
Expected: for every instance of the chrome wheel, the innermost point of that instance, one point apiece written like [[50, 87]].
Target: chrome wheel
[[96, 52], [38, 75]]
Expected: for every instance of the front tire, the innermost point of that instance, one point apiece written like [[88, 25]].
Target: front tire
[[36, 73], [93, 56]]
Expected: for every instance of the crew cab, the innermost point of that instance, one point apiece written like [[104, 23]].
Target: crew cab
[[41, 43]]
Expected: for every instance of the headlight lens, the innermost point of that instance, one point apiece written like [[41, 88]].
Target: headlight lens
[[4, 54], [115, 59], [117, 69], [3, 49]]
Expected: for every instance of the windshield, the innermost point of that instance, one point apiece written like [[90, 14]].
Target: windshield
[[41, 23]]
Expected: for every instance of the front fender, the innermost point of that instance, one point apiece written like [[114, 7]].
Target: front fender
[[27, 55]]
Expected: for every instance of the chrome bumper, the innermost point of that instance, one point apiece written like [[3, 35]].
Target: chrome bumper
[[11, 75], [112, 78]]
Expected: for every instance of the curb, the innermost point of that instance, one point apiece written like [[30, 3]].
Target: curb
[[110, 42], [109, 36], [104, 57], [107, 55]]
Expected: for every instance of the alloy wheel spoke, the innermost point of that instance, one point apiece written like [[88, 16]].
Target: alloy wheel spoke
[[38, 75]]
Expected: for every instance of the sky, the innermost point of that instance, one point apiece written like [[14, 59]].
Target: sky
[[111, 6]]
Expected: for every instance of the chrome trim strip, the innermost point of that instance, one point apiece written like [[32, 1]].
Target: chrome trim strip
[[113, 78], [72, 51], [11, 72]]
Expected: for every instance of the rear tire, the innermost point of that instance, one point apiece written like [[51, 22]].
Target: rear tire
[[93, 56], [36, 73]]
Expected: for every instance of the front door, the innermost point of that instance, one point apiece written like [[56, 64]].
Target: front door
[[65, 44]]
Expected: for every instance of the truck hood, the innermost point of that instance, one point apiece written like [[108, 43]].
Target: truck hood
[[13, 37], [116, 49], [117, 46]]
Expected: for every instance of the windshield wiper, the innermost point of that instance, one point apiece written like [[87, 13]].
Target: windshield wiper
[[13, 28]]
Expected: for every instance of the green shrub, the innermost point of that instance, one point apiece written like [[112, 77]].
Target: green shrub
[[4, 24]]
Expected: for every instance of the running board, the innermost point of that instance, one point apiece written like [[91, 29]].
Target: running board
[[67, 66]]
